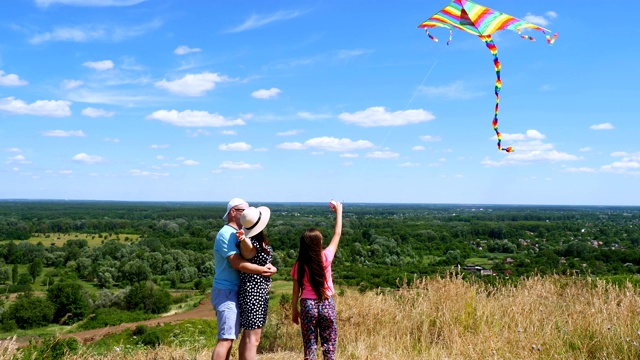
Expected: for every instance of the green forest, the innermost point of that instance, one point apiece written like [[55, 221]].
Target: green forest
[[106, 259]]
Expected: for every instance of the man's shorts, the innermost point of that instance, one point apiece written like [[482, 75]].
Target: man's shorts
[[225, 303]]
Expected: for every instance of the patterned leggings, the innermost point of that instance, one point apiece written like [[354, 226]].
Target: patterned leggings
[[318, 316]]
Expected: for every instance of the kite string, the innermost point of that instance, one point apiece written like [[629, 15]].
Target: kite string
[[420, 86], [412, 97]]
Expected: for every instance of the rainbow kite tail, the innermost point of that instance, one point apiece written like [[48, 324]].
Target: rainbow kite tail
[[430, 36], [436, 39], [496, 63]]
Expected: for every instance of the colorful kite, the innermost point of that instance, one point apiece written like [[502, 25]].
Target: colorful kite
[[479, 20]]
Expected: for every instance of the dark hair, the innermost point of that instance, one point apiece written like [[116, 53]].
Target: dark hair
[[262, 240], [310, 260]]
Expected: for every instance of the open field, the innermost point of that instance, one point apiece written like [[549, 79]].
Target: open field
[[450, 318]]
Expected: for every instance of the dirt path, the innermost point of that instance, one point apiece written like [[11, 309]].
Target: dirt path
[[203, 311]]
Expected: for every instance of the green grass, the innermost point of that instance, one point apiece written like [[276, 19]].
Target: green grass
[[479, 261], [195, 334]]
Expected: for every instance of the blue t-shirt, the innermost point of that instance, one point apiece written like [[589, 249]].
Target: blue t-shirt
[[226, 277]]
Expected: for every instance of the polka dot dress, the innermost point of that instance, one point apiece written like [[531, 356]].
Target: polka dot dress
[[253, 295]]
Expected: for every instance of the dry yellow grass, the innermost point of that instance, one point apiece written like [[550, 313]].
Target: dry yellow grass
[[539, 318]]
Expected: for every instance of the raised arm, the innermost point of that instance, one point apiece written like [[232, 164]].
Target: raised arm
[[247, 249], [338, 230]]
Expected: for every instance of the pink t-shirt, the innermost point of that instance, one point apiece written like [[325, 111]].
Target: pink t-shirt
[[307, 290]]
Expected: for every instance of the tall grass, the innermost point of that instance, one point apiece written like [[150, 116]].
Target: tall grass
[[450, 318]]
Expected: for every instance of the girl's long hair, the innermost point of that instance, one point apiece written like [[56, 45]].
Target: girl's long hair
[[262, 240], [310, 260]]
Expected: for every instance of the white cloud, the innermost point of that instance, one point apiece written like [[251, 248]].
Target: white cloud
[[626, 156], [383, 155], [289, 133], [239, 146], [456, 90], [99, 65], [190, 162], [347, 54], [71, 84], [94, 32], [529, 147], [349, 155], [266, 94], [418, 148], [409, 164], [65, 172], [585, 149], [94, 113], [11, 80], [155, 146], [198, 133], [328, 144], [87, 159], [14, 150], [193, 84], [291, 146], [193, 118], [621, 166], [628, 163], [603, 126], [229, 165], [228, 132], [430, 138], [309, 116], [551, 14], [536, 19], [95, 3], [379, 116], [183, 50], [18, 159], [54, 108], [136, 172], [113, 140], [256, 21], [580, 170], [529, 134], [63, 133]]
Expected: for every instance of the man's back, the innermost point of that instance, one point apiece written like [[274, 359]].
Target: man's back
[[226, 277]]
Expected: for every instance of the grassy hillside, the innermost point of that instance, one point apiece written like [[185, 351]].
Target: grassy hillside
[[449, 318]]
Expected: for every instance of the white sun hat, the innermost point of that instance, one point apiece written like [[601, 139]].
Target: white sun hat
[[233, 203], [254, 220]]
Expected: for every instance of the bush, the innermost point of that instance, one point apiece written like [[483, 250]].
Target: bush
[[30, 311], [140, 330], [69, 301], [8, 326], [151, 338], [147, 297], [112, 317]]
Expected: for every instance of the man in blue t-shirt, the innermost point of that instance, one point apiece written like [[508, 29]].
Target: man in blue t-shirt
[[229, 263]]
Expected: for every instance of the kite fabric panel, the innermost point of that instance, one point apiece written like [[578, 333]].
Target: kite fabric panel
[[482, 21]]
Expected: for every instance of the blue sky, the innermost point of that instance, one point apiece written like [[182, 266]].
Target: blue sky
[[307, 101]]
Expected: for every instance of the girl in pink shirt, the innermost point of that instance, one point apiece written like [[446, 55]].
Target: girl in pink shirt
[[313, 287]]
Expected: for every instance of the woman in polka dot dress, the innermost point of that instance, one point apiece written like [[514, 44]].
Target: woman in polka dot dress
[[253, 294]]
